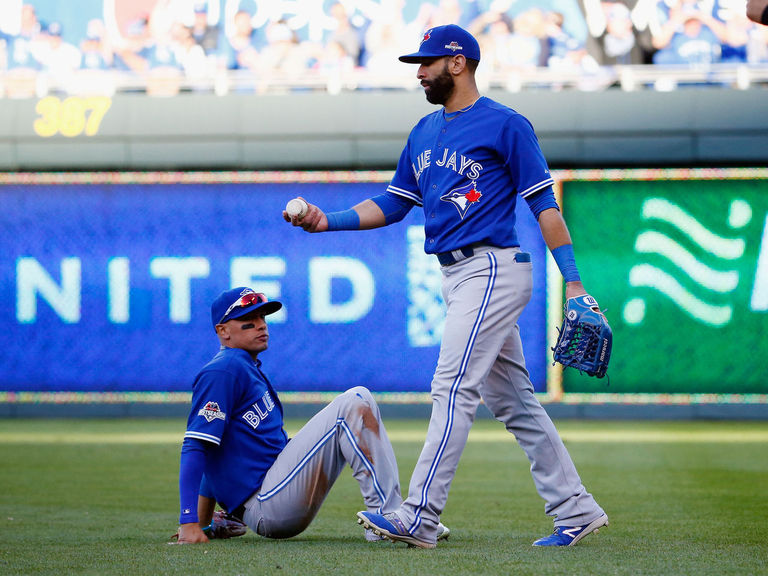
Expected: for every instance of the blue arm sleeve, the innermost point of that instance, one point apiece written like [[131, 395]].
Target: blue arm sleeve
[[344, 220], [566, 261], [542, 200], [190, 476], [394, 207]]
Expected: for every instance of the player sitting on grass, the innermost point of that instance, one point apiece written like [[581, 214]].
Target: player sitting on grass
[[235, 441]]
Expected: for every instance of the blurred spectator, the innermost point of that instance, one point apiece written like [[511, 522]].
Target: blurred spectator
[[284, 55], [614, 39], [189, 54], [180, 39], [444, 12], [735, 47], [452, 12], [335, 64], [388, 37], [240, 50], [23, 50], [95, 48], [344, 35], [745, 43], [23, 53], [96, 66], [691, 37], [204, 35], [493, 31], [530, 47], [150, 53], [131, 54], [564, 51], [59, 58]]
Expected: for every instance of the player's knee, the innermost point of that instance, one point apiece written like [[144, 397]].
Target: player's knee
[[362, 393]]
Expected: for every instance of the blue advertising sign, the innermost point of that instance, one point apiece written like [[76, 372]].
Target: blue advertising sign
[[108, 286]]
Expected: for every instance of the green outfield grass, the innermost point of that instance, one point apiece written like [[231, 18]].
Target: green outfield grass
[[100, 497]]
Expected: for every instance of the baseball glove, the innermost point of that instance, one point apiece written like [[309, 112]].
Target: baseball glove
[[585, 339], [224, 526]]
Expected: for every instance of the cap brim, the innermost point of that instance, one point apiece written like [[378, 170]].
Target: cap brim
[[416, 57], [264, 307]]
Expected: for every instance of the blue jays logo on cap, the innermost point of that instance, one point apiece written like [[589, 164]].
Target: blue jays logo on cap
[[444, 41], [463, 197]]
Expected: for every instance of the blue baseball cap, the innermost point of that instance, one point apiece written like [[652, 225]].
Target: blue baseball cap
[[446, 40], [240, 301]]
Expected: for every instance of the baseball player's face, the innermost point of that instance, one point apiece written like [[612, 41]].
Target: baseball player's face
[[436, 79], [249, 333]]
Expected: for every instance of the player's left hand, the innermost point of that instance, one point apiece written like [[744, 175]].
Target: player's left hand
[[190, 534], [574, 289]]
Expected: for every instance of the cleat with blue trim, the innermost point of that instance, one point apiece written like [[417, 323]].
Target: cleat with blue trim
[[391, 527], [442, 534], [568, 536]]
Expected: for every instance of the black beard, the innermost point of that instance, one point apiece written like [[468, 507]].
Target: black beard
[[441, 88]]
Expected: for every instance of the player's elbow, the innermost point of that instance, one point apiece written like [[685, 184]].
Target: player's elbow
[[756, 9]]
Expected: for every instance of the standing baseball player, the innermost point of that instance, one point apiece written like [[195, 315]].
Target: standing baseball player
[[466, 165], [236, 452]]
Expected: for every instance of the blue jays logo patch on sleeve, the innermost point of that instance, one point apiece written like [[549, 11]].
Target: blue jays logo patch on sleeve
[[211, 412], [463, 197]]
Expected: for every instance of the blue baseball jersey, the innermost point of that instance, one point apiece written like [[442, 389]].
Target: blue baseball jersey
[[235, 407], [467, 172]]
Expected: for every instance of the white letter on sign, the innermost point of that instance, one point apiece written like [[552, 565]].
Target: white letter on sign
[[322, 272], [179, 272], [32, 279]]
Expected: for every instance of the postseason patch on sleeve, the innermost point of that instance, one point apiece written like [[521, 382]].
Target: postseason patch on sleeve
[[211, 412]]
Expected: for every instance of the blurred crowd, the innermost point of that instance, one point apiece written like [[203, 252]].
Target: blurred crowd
[[162, 45]]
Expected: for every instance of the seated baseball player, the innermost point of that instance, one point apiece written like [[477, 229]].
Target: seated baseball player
[[236, 452]]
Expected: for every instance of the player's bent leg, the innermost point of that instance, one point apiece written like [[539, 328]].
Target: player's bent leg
[[365, 445], [348, 430]]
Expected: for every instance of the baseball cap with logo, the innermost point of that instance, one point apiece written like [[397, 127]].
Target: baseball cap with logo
[[238, 302], [446, 40]]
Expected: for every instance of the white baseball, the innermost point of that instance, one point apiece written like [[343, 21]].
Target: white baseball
[[296, 207]]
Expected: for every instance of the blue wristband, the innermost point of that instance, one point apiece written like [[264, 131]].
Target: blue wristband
[[566, 261], [344, 220]]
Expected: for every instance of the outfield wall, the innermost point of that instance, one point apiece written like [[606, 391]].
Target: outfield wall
[[703, 126], [106, 281]]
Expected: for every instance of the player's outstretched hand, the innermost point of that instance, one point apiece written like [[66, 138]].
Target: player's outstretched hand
[[313, 221], [190, 534]]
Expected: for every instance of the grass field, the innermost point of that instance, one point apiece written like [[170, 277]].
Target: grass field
[[100, 497]]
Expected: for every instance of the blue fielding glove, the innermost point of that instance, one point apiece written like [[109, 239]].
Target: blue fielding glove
[[585, 339]]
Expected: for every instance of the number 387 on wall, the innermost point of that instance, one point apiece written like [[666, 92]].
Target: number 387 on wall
[[70, 117]]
